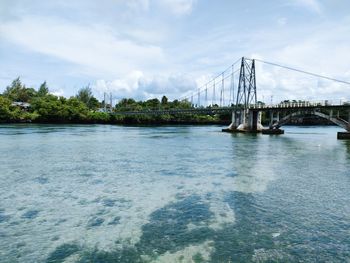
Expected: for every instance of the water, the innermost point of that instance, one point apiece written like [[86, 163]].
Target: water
[[172, 194]]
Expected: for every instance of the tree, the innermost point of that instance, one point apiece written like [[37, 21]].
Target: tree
[[5, 113], [185, 104], [152, 104], [43, 89], [85, 96], [164, 100], [93, 103], [18, 92], [127, 105]]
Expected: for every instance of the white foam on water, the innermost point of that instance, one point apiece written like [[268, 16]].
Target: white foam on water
[[274, 235], [266, 255], [72, 259], [188, 254]]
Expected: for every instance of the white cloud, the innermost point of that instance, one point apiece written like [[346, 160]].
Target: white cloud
[[311, 56], [169, 84], [126, 87], [137, 85], [325, 50], [179, 7], [321, 49], [312, 5], [96, 49], [282, 21], [138, 4], [58, 92]]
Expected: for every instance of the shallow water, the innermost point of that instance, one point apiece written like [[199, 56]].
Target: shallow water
[[172, 194]]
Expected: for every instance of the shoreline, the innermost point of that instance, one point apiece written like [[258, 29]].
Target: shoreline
[[169, 123]]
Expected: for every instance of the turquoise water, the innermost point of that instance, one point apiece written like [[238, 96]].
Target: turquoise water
[[172, 194]]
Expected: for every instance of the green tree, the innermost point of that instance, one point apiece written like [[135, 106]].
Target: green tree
[[152, 104], [93, 103], [185, 104], [18, 92], [164, 100], [43, 89], [5, 112], [128, 105], [85, 95], [12, 90]]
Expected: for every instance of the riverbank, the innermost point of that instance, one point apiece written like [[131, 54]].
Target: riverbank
[[137, 122], [106, 118]]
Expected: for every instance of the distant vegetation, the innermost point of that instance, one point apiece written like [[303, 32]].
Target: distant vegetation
[[19, 103]]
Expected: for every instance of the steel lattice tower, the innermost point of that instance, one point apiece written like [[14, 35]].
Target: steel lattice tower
[[246, 94]]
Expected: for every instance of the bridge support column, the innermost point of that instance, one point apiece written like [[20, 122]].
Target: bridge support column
[[236, 120], [271, 129], [245, 121], [343, 136], [274, 118], [271, 118], [254, 121], [348, 129]]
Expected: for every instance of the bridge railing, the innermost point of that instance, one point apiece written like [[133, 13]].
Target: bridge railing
[[301, 104]]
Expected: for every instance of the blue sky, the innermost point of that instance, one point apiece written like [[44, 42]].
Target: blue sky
[[147, 48]]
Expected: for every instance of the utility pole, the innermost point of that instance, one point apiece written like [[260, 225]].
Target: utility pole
[[206, 95], [223, 89], [111, 101], [213, 99], [104, 102]]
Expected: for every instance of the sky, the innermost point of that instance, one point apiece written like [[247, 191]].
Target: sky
[[149, 48]]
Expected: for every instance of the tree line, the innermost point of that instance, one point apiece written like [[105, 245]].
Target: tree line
[[85, 108]]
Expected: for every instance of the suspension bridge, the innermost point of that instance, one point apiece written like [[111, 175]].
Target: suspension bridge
[[234, 91]]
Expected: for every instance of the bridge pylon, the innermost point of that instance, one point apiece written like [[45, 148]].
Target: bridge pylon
[[243, 119]]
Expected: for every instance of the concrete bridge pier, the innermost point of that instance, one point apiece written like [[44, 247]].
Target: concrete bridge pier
[[345, 135], [273, 118], [237, 117], [245, 121]]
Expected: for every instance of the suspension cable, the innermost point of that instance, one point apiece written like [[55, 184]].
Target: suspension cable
[[203, 87], [302, 71]]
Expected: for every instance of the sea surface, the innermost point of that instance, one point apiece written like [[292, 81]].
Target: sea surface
[[104, 193]]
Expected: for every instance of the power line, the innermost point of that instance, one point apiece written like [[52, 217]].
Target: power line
[[303, 71]]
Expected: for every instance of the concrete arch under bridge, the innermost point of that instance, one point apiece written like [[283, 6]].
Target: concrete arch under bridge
[[336, 120]]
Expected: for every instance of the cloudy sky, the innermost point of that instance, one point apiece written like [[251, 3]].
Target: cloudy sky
[[147, 48]]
